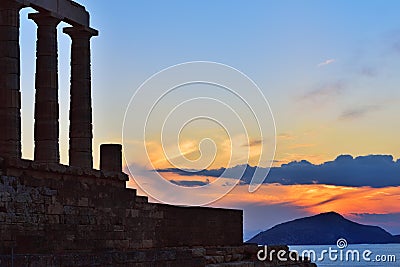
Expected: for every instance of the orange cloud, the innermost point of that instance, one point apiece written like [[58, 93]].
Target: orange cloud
[[301, 146], [309, 198], [319, 198], [285, 136], [212, 152]]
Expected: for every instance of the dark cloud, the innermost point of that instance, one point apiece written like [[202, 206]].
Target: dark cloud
[[324, 93], [396, 46], [369, 72], [189, 183], [212, 173], [358, 112], [254, 143], [373, 170], [329, 200]]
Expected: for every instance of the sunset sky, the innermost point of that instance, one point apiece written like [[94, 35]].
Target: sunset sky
[[329, 70]]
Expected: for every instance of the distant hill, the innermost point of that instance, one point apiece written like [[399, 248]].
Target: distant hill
[[323, 229]]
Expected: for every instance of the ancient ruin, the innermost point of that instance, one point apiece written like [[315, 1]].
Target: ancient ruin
[[57, 215]]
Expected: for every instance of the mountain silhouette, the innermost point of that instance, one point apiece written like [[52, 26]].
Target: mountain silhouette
[[323, 229]]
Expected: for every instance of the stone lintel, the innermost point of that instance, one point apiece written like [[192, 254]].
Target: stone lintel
[[69, 11]]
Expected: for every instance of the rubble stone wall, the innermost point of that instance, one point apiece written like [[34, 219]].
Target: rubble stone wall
[[59, 209]]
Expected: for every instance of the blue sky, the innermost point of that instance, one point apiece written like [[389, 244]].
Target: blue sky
[[329, 70], [279, 44]]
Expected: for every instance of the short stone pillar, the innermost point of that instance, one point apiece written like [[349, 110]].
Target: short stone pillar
[[10, 95], [111, 157]]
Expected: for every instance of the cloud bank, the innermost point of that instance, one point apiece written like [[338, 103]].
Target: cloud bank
[[374, 171]]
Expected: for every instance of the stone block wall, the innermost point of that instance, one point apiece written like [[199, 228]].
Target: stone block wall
[[58, 209]]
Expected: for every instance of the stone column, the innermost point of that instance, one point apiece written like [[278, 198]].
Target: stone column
[[10, 95], [46, 98], [81, 133]]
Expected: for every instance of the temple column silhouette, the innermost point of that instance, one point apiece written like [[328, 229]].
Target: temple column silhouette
[[46, 129], [10, 94], [81, 132]]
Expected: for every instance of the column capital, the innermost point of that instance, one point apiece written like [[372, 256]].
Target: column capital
[[80, 32], [45, 19]]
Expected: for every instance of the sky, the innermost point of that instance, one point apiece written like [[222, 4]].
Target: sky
[[328, 69]]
